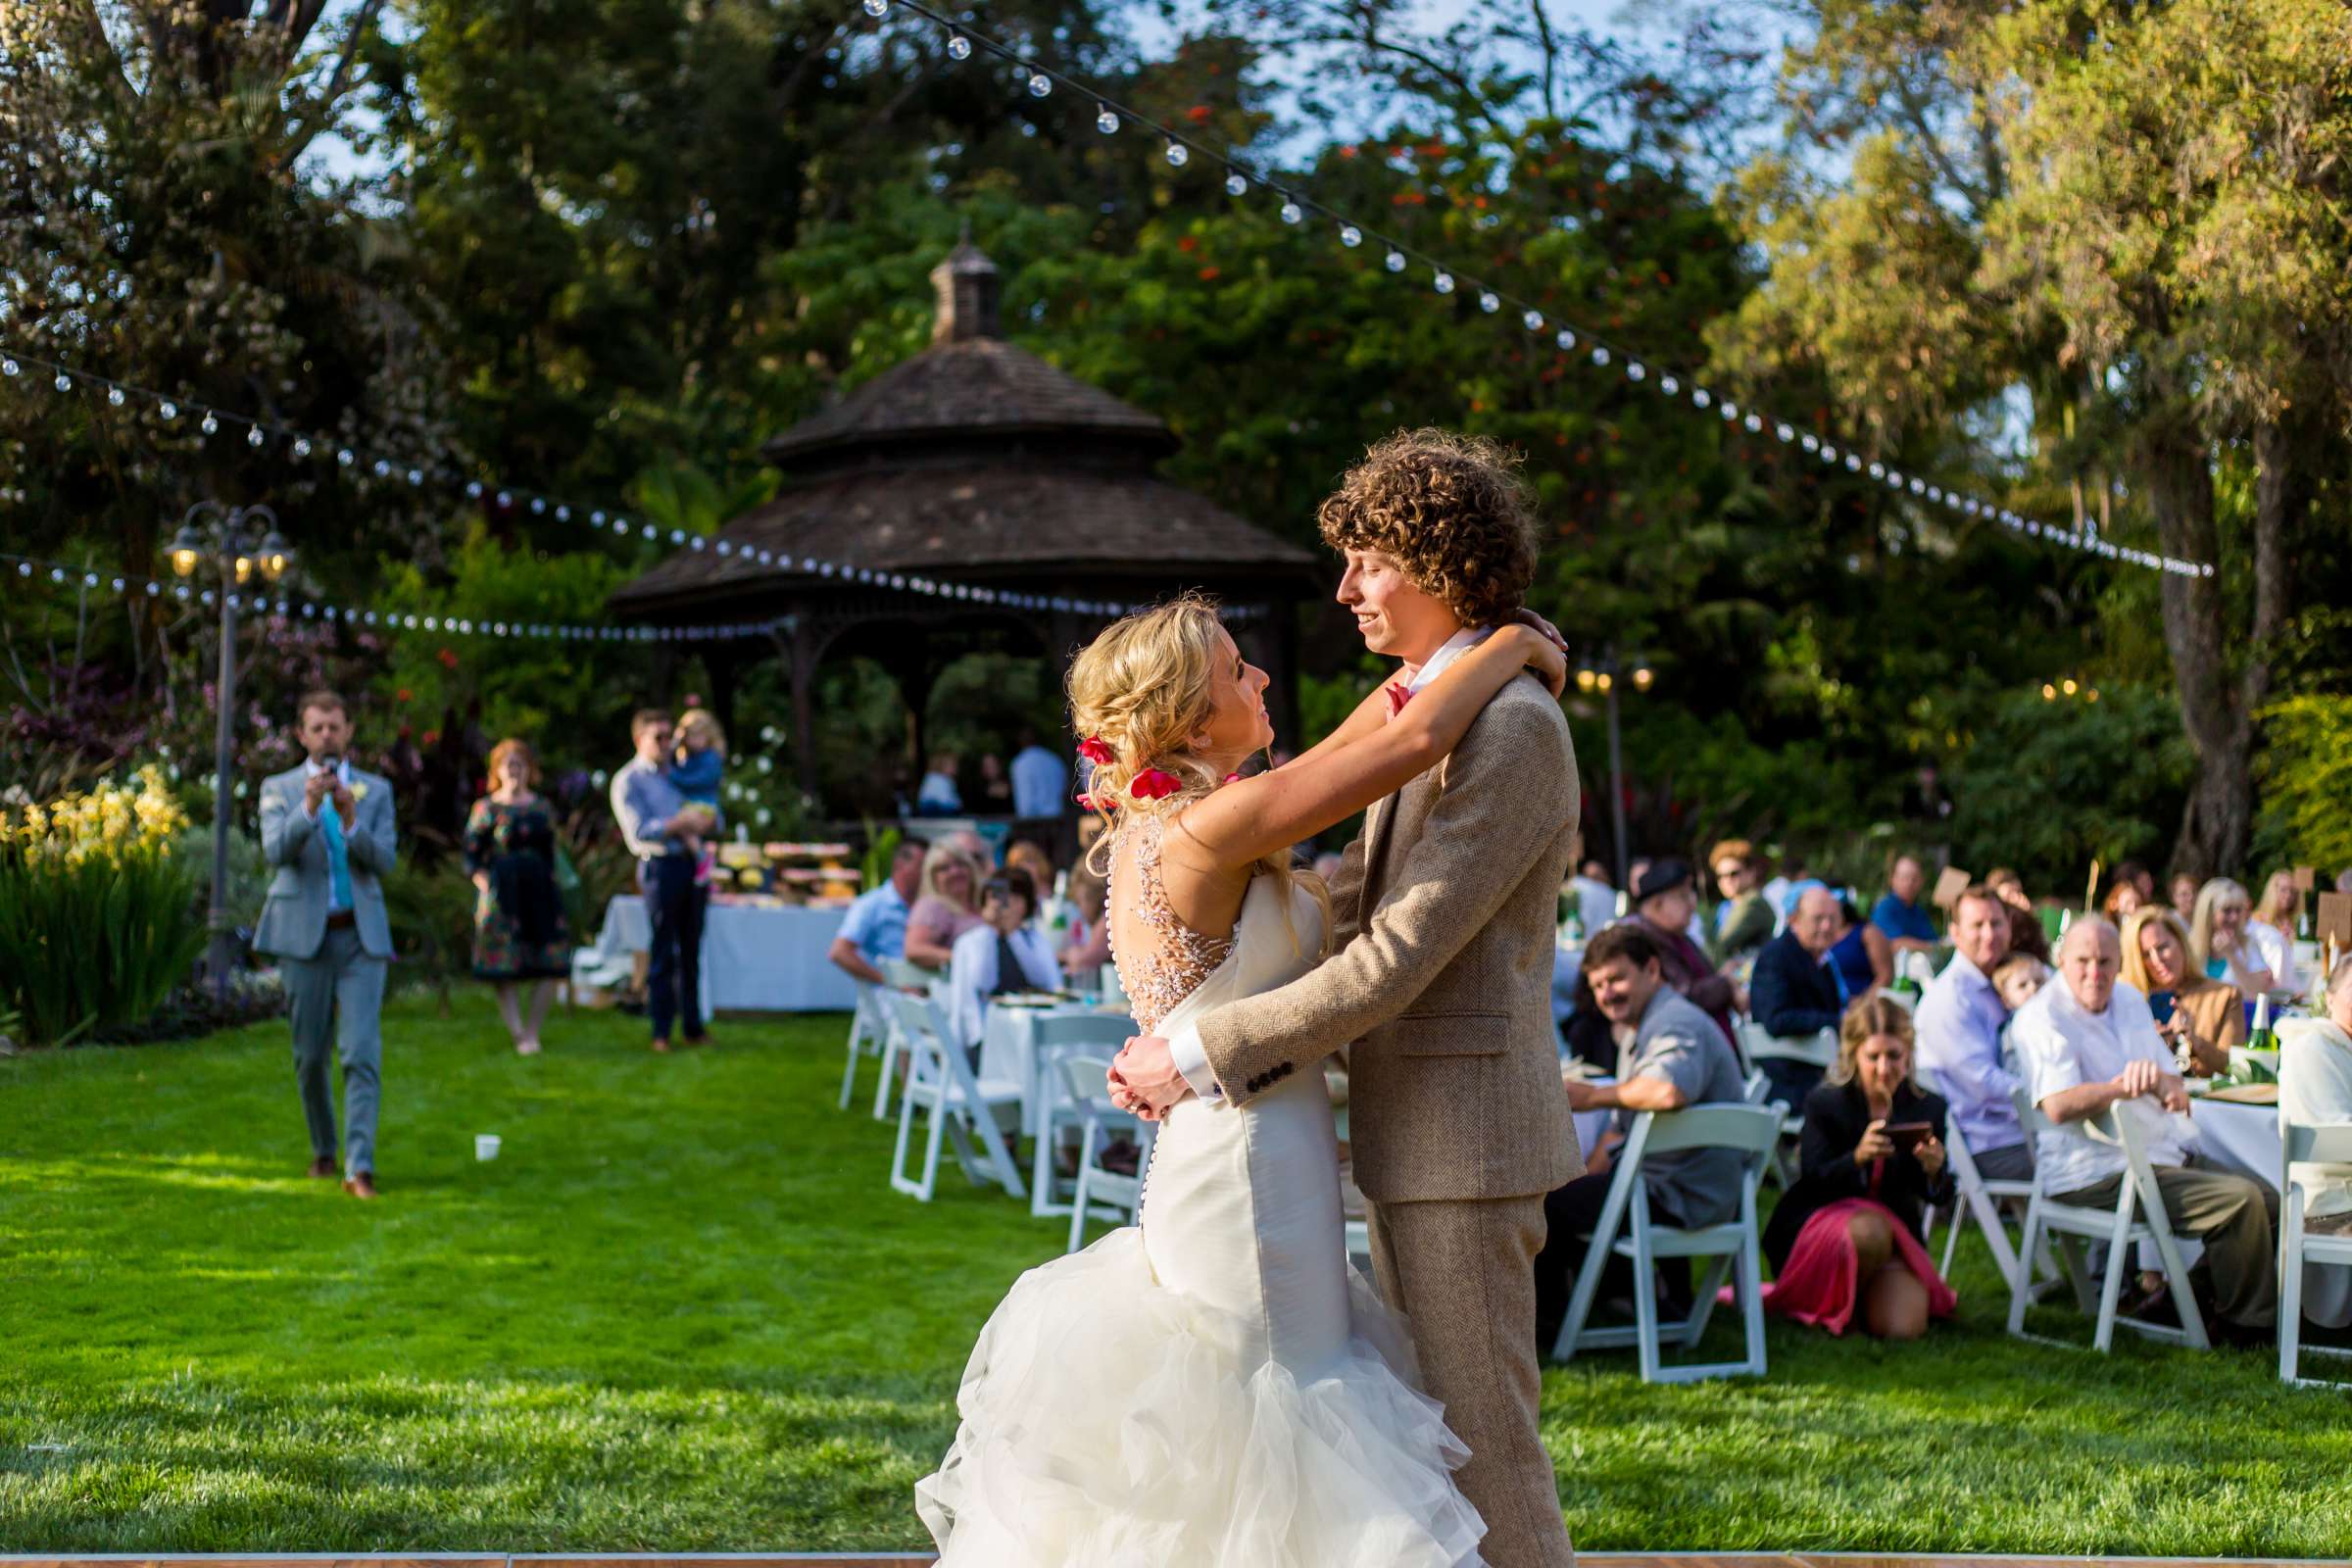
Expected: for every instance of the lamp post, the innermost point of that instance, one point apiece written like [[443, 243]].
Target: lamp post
[[1604, 675], [225, 541]]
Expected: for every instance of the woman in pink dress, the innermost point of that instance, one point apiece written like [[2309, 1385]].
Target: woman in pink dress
[[1845, 1238]]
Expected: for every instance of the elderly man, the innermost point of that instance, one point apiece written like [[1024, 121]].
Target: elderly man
[[1664, 907], [1898, 914], [2087, 1046], [1959, 1022], [1797, 990], [1670, 1055], [875, 928]]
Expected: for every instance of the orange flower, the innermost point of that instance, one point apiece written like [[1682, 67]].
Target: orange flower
[[1208, 275], [1198, 114]]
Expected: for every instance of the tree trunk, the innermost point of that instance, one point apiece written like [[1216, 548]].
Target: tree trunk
[[2171, 458]]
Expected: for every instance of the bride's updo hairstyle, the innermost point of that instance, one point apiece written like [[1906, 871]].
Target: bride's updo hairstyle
[[1138, 694]]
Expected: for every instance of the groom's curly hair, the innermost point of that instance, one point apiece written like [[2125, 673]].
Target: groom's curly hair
[[1451, 509]]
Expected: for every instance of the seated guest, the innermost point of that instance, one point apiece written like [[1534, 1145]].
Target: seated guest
[[2184, 894], [1087, 945], [2018, 979], [1847, 1235], [947, 908], [2087, 1045], [2273, 928], [875, 928], [1002, 955], [2222, 942], [1796, 992], [1898, 914], [1671, 1054], [1023, 856], [1664, 906], [2133, 887], [1959, 1020], [974, 846], [1743, 922], [2026, 933], [938, 794], [1595, 901], [1862, 954], [2315, 1088], [1585, 1029], [2191, 1009]]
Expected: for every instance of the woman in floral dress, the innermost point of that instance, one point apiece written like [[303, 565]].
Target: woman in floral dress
[[521, 936]]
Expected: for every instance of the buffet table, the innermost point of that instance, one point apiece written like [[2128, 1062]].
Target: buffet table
[[756, 958]]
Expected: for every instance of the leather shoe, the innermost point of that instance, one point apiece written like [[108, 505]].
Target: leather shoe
[[324, 1166], [361, 1184], [661, 1046]]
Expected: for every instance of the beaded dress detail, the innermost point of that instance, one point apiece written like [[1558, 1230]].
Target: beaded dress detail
[[1156, 982], [1214, 1386]]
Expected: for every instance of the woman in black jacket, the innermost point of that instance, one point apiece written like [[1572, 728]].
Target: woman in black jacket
[[1847, 1235]]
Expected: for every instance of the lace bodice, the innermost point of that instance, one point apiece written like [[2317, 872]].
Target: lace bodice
[[1156, 981]]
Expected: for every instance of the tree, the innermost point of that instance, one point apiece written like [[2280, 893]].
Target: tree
[[2149, 202]]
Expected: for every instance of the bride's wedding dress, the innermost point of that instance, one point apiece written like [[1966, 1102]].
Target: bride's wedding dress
[[1215, 1386]]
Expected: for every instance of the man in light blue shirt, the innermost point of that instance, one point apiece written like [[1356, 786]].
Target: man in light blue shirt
[[1959, 1027], [656, 821], [1040, 784], [875, 927]]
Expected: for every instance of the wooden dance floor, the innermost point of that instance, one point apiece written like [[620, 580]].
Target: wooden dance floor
[[1623, 1559]]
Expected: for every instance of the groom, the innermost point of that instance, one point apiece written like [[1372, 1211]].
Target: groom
[[1443, 929]]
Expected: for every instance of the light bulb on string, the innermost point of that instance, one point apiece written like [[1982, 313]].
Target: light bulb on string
[[210, 424], [1533, 320], [1443, 282], [959, 47], [1106, 121], [252, 436], [1489, 302], [1236, 184], [1395, 262], [1351, 236], [169, 409], [1564, 340], [877, 9], [65, 382], [1600, 355], [114, 396], [1040, 84], [1178, 155], [1634, 371], [9, 368], [1290, 211]]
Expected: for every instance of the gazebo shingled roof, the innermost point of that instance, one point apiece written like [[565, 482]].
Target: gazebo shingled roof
[[974, 461]]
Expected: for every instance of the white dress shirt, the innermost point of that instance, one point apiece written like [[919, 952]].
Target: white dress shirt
[[1185, 1051], [2060, 1046], [972, 975], [2278, 955], [310, 770]]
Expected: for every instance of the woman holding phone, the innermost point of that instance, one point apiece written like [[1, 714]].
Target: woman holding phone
[[1845, 1238], [2206, 1015]]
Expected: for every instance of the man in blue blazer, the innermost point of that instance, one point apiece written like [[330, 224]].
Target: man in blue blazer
[[1794, 991], [327, 832]]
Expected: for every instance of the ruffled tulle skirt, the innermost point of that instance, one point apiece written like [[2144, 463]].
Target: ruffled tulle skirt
[[1110, 1422]]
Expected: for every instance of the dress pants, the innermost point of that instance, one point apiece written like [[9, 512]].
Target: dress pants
[[673, 970], [336, 996], [2233, 1215], [1462, 1272]]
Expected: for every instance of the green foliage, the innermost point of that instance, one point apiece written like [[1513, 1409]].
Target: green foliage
[[2306, 776], [431, 912], [2049, 786], [881, 848], [95, 942]]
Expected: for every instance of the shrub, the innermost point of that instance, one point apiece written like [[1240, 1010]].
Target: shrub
[[2305, 769], [98, 919]]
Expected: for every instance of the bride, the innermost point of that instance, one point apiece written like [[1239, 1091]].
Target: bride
[[1216, 1386]]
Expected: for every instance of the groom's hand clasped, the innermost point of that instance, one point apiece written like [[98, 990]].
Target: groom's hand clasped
[[1144, 1080]]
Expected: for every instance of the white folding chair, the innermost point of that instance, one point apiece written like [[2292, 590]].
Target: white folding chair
[[897, 975], [2301, 1143], [1086, 1034], [1980, 1197], [2136, 1216], [1731, 1246], [940, 1082], [1777, 1165], [870, 1028], [1101, 1192]]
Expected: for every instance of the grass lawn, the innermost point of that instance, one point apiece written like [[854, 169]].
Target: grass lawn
[[684, 1311]]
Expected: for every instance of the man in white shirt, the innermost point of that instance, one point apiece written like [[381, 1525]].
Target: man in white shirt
[[2087, 1045], [1040, 784], [1003, 953]]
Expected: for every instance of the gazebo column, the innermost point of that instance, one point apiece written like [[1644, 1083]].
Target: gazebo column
[[724, 662], [804, 657], [907, 663]]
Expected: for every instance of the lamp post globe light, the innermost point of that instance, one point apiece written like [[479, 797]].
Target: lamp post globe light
[[1604, 675], [222, 539]]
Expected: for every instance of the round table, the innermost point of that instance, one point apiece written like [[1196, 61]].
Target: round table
[[2245, 1138]]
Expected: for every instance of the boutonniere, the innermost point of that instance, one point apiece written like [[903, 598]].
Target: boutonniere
[[358, 791]]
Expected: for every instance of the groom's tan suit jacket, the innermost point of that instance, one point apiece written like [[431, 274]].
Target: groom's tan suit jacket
[[1443, 916]]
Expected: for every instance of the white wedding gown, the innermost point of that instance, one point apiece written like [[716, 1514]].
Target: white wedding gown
[[1217, 1388]]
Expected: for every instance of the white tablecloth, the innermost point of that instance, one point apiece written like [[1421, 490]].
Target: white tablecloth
[[756, 958], [2244, 1138], [1008, 1050]]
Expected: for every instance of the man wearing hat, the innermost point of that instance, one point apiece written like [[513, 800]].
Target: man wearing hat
[[1664, 900]]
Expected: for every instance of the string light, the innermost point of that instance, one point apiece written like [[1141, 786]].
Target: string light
[[1106, 123], [959, 47], [1236, 184], [1178, 155], [1290, 211]]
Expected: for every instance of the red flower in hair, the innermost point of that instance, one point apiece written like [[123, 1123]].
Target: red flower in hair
[[1153, 785], [1095, 752], [1087, 802]]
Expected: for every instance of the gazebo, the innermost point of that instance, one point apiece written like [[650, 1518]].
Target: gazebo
[[974, 463]]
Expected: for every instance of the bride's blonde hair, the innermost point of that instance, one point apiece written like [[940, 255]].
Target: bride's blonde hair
[[1144, 689]]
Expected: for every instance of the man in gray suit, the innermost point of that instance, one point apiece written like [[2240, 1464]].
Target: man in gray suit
[[327, 830]]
